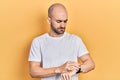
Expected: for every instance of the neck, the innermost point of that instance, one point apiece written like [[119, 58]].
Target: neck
[[55, 35]]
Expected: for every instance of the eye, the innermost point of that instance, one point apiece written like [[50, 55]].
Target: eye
[[65, 21], [58, 21]]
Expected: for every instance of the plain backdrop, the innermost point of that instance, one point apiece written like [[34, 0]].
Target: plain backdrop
[[97, 22]]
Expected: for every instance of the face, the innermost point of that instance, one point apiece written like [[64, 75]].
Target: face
[[58, 22], [58, 26]]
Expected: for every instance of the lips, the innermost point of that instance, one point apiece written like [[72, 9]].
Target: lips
[[61, 28]]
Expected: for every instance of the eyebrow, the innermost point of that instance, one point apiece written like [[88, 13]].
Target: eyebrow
[[61, 20]]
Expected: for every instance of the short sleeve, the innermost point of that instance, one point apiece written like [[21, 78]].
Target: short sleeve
[[35, 52], [82, 50]]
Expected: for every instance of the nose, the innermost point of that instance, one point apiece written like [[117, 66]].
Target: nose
[[63, 24]]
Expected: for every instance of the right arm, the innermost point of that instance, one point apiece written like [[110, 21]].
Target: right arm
[[36, 71]]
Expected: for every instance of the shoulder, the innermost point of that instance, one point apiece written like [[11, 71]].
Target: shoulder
[[40, 38], [73, 36]]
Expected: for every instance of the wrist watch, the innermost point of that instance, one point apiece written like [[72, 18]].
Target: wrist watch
[[78, 71]]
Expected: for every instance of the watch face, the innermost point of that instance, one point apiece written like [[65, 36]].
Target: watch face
[[78, 71]]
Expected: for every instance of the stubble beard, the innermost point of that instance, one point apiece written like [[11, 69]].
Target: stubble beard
[[58, 31]]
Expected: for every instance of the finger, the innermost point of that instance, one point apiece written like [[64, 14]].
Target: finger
[[66, 76], [69, 77], [63, 76], [71, 68], [74, 64], [71, 73], [70, 63]]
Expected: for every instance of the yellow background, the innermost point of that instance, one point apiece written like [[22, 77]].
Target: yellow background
[[96, 21]]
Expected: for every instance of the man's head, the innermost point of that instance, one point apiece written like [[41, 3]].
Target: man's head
[[57, 18]]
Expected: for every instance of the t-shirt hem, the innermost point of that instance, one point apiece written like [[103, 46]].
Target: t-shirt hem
[[34, 60], [83, 53]]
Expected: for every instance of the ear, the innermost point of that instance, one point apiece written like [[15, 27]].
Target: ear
[[49, 20]]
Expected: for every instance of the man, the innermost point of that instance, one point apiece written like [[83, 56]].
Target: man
[[53, 55]]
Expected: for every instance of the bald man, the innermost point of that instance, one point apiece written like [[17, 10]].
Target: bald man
[[54, 55]]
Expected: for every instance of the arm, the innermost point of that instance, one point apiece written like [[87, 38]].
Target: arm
[[87, 63], [37, 71]]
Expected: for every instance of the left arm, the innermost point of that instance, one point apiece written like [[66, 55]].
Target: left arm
[[87, 63], [86, 66]]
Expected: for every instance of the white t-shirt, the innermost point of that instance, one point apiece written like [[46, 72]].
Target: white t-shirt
[[55, 51]]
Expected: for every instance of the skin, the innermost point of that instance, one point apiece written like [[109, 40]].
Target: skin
[[57, 18]]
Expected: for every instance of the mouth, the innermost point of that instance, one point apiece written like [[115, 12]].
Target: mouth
[[62, 29]]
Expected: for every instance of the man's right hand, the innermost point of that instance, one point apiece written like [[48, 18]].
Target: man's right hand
[[68, 66], [68, 75]]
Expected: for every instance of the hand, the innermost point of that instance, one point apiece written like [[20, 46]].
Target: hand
[[69, 66], [68, 75]]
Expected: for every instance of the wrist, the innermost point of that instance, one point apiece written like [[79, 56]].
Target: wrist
[[57, 70]]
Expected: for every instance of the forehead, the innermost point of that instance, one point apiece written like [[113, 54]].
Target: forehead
[[60, 16], [59, 13]]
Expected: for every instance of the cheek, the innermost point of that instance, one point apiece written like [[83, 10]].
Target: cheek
[[55, 24], [65, 24]]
